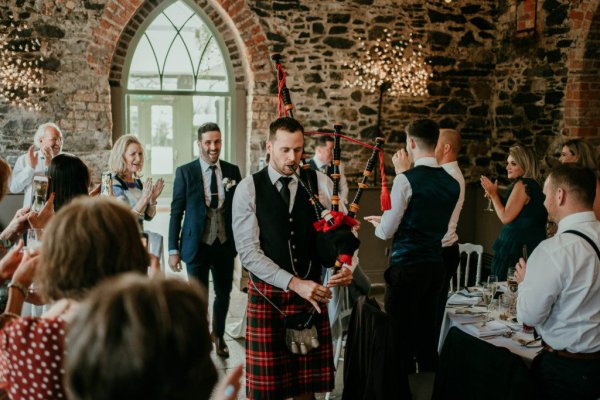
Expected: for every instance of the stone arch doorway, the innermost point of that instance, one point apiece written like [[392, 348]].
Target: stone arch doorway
[[244, 41], [582, 98]]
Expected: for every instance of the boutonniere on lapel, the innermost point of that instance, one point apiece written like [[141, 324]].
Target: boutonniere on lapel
[[228, 183]]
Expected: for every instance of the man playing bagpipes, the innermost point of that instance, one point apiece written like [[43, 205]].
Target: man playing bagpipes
[[276, 239]]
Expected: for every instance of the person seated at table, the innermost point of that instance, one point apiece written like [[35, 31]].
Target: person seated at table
[[89, 240], [69, 178], [165, 355], [521, 210], [578, 150], [559, 289]]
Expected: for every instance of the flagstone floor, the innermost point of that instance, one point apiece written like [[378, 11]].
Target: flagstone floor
[[421, 384]]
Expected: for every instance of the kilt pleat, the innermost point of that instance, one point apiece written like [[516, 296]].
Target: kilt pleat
[[272, 371]]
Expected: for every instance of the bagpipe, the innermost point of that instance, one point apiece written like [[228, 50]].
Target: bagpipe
[[336, 243]]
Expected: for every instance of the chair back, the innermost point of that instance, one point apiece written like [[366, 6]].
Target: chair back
[[468, 249]]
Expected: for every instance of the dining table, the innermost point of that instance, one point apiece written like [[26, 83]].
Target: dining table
[[464, 310]]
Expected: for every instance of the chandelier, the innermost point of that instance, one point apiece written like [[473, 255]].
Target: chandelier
[[396, 67], [21, 76]]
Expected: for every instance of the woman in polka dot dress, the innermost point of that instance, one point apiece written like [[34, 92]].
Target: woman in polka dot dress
[[88, 240]]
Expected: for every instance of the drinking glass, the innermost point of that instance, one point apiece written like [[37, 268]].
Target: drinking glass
[[34, 239], [489, 206], [511, 280], [492, 284]]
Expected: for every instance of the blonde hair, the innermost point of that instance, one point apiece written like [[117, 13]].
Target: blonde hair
[[525, 158], [116, 161], [583, 151], [89, 239], [4, 177]]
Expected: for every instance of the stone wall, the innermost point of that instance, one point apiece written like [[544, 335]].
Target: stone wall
[[77, 100], [493, 86]]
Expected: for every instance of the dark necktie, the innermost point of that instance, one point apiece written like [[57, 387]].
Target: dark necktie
[[285, 190], [214, 190]]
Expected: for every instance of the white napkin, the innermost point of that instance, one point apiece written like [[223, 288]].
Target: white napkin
[[459, 299], [490, 329]]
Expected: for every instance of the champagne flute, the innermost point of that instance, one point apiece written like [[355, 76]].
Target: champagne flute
[[493, 284], [489, 207]]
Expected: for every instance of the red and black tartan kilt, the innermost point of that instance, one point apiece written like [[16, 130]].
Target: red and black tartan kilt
[[272, 371]]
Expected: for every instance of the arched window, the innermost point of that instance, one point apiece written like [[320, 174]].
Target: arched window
[[176, 78]]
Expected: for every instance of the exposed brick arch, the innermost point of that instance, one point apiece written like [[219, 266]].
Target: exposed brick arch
[[582, 104], [243, 36]]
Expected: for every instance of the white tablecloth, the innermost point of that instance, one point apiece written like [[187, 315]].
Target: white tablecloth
[[462, 321]]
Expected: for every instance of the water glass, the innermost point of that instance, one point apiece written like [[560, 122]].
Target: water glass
[[34, 239], [511, 280]]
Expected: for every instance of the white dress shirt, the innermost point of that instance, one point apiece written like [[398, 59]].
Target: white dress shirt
[[400, 196], [247, 233], [22, 175], [454, 171], [343, 182], [206, 176], [560, 295]]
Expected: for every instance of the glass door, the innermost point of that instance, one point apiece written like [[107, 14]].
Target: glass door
[[167, 126]]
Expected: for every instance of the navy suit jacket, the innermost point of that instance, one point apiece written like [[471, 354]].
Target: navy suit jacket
[[189, 205]]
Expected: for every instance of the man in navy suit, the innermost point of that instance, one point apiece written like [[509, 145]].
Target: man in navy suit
[[203, 192]]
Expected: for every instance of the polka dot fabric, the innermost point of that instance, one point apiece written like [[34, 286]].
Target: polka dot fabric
[[31, 358]]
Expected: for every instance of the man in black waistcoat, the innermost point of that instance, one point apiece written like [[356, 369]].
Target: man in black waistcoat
[[274, 234], [423, 199]]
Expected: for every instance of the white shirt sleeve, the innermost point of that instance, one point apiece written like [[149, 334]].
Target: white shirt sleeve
[[246, 234], [400, 197], [22, 175], [540, 288]]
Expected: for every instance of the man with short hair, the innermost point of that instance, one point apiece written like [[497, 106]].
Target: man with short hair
[[203, 193], [323, 161], [559, 289], [277, 243], [446, 154], [48, 139], [423, 199]]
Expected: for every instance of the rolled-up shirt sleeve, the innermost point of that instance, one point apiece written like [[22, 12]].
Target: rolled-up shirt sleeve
[[246, 234], [400, 197]]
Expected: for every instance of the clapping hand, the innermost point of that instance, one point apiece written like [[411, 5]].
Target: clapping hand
[[491, 188], [147, 191], [10, 262], [157, 189]]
